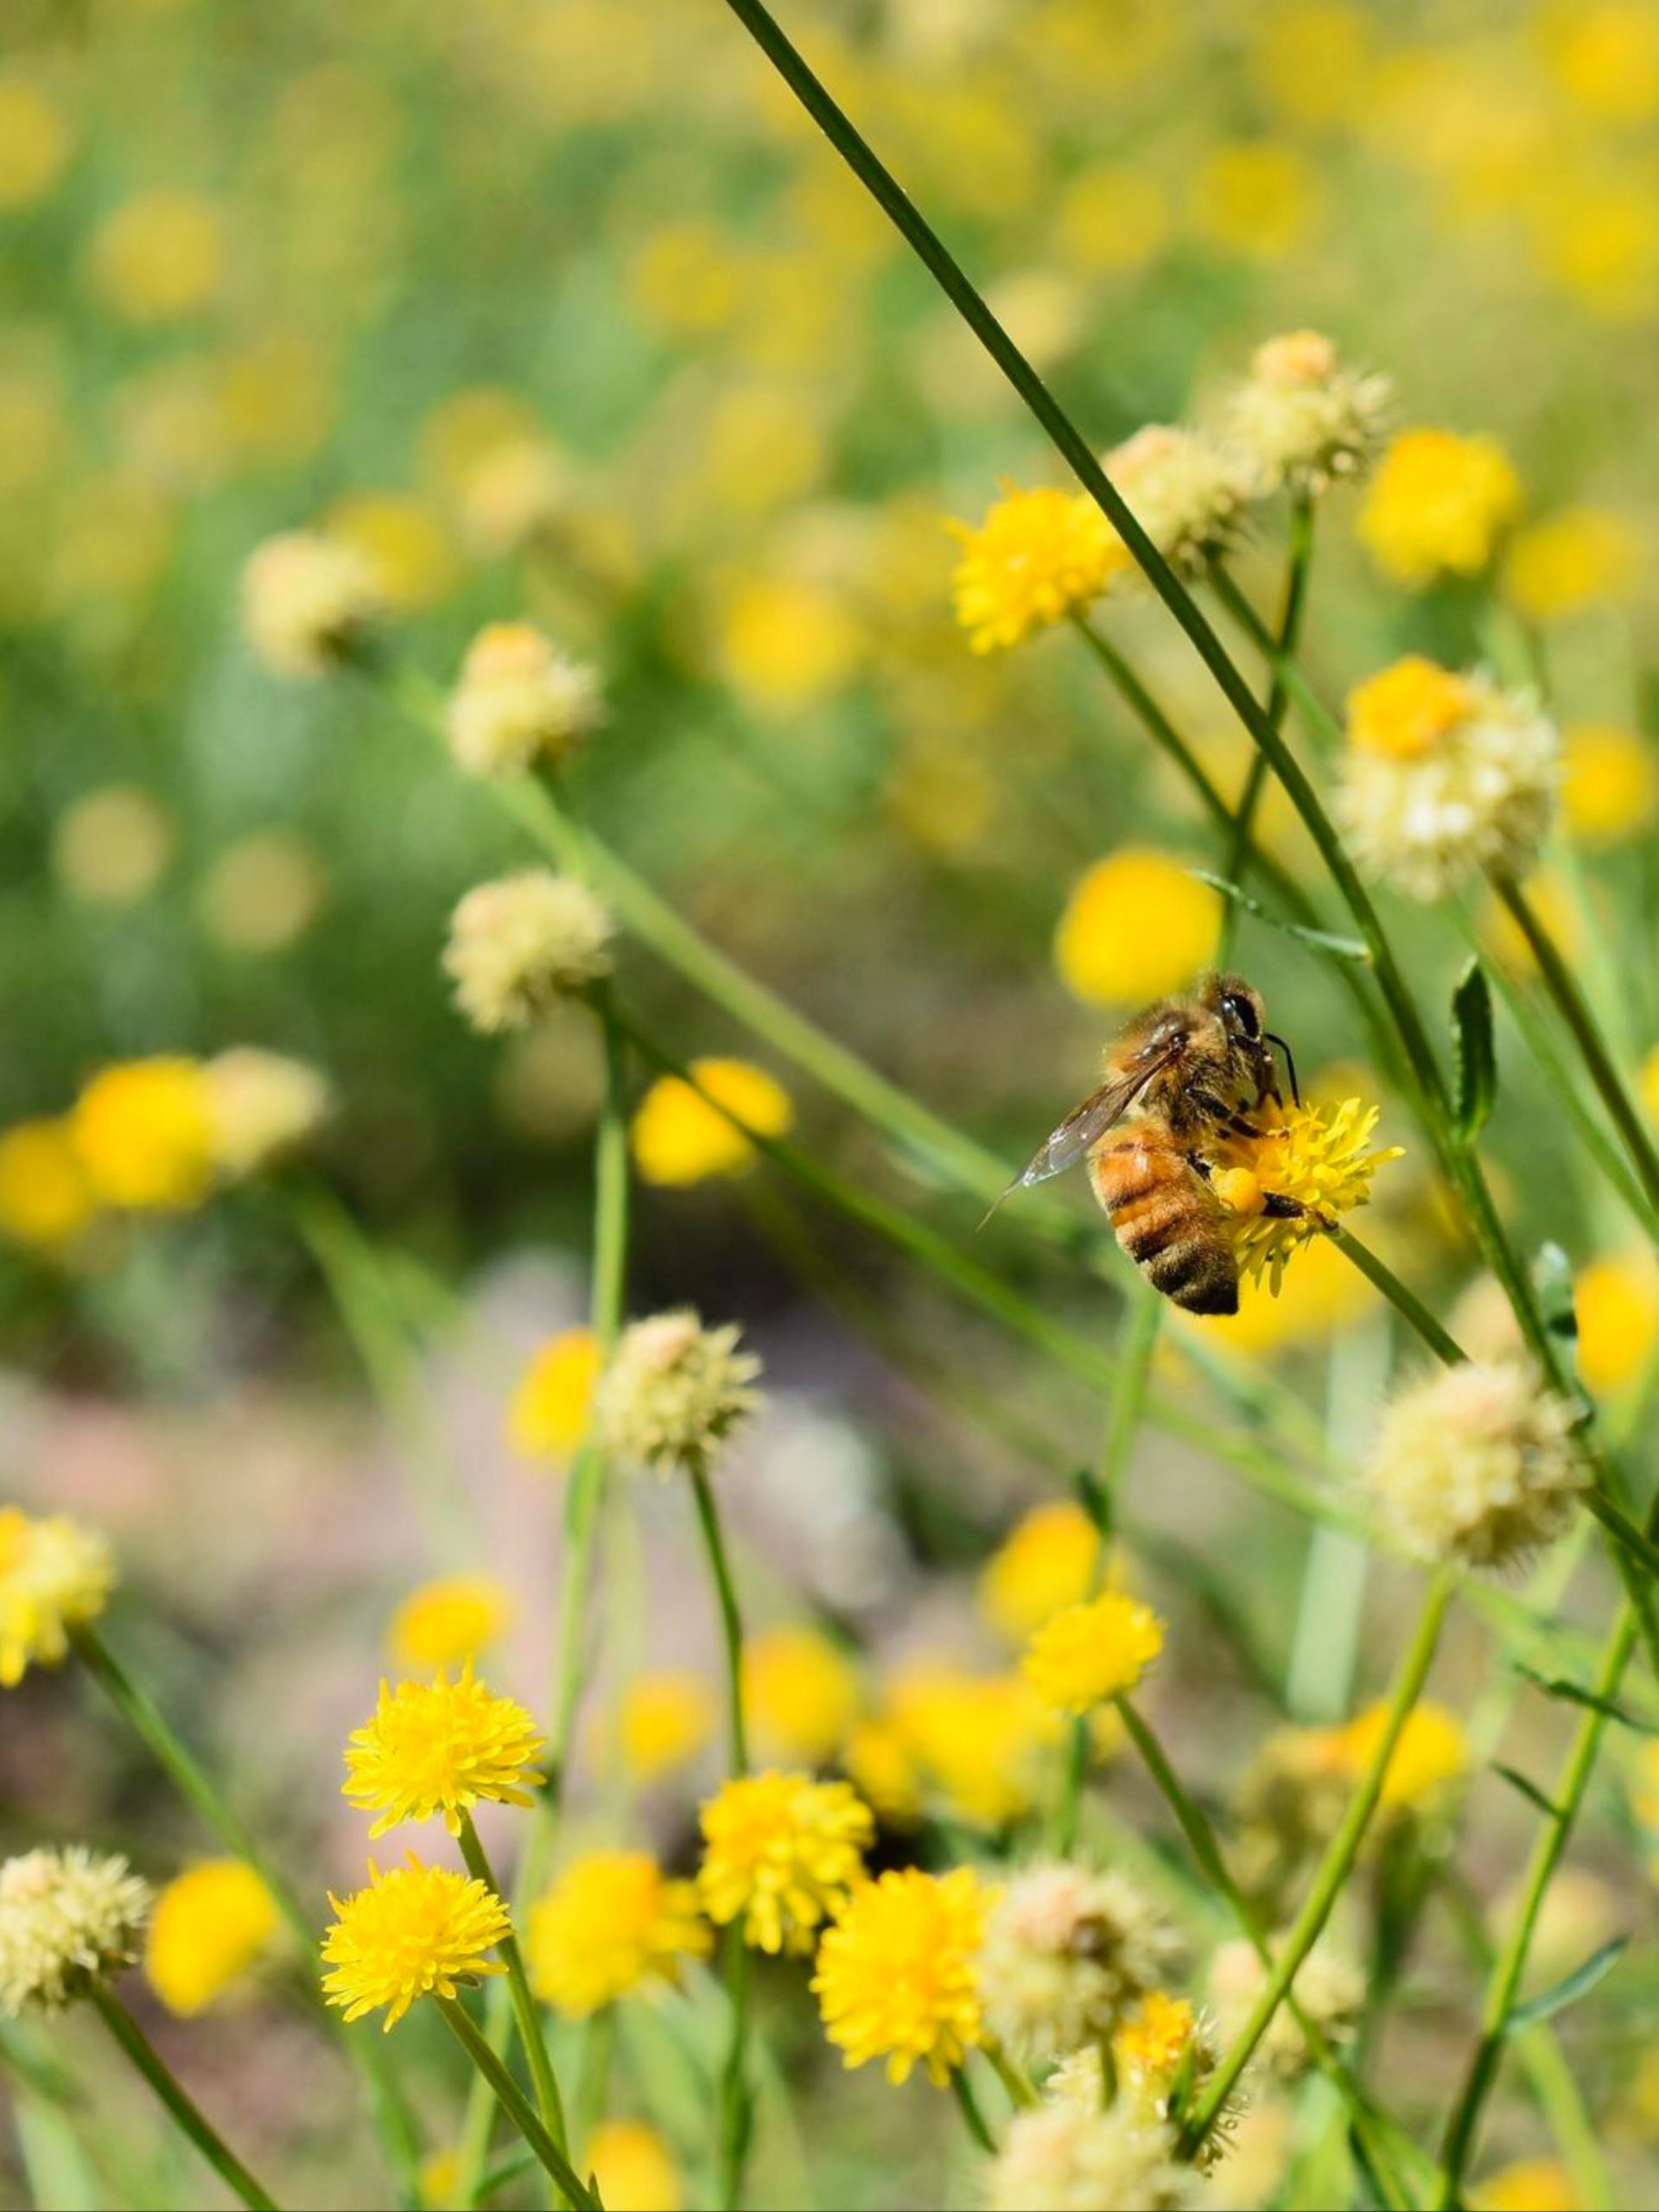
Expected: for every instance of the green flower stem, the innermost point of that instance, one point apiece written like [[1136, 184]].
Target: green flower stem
[[1404, 1301], [182, 2108], [525, 2009], [1332, 1875], [1570, 1002], [515, 2106], [731, 1622], [150, 1724], [1242, 839], [1021, 2095], [1385, 2140], [968, 2103]]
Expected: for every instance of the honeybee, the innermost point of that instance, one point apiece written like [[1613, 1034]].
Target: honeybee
[[1186, 1070]]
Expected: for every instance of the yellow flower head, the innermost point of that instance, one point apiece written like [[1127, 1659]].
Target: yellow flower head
[[1616, 1302], [800, 1693], [1320, 1160], [681, 1136], [978, 1739], [897, 1975], [1037, 557], [144, 1132], [548, 1415], [1045, 1563], [1430, 1753], [1525, 2186], [783, 1852], [1582, 558], [1093, 1651], [1437, 505], [664, 1720], [45, 1199], [418, 1931], [1138, 924], [53, 1575], [634, 2168], [262, 1107], [69, 1919], [1609, 783], [448, 1621], [441, 1747], [611, 1923], [159, 256], [209, 1926], [1150, 2043], [35, 142], [882, 1766], [1404, 711]]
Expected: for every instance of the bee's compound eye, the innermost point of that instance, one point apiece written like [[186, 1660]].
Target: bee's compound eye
[[1241, 1015]]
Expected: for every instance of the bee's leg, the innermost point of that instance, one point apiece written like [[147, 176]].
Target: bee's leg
[[1277, 1207]]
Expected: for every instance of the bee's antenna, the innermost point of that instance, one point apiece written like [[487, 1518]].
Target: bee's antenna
[[1017, 1184], [1290, 1063]]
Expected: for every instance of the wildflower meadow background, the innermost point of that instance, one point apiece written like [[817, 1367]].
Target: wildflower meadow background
[[602, 716]]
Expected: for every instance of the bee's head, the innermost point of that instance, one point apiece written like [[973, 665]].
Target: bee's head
[[1237, 1005]]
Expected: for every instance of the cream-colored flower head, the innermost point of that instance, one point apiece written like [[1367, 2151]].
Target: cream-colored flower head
[[1161, 2042], [1301, 420], [1186, 493], [1068, 1952], [1444, 775], [1328, 1987], [1065, 2156], [1477, 1464], [68, 1919], [519, 700], [520, 944], [674, 1392], [308, 602], [261, 1108]]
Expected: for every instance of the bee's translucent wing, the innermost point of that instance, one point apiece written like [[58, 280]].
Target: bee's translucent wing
[[1086, 1125]]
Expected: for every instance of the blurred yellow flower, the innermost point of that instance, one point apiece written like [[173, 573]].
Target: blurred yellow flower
[[787, 644], [35, 435], [940, 796], [1561, 564], [611, 1924], [686, 278], [1596, 236], [439, 2179], [1136, 926], [1649, 1084], [54, 1575], [634, 2168], [448, 1621], [681, 1137], [45, 1198], [1257, 196], [1616, 1302], [1437, 505], [1312, 60], [275, 398], [1037, 557], [112, 847], [663, 1720], [1605, 56], [467, 428], [1405, 709], [417, 1931], [262, 892], [442, 1747], [1045, 1563], [1609, 783], [897, 1972], [1527, 2185], [800, 1693], [405, 544], [549, 1414], [144, 1134], [978, 1739], [1092, 1651], [207, 1927], [781, 1853], [1316, 1299], [159, 256], [763, 447], [1431, 1753], [882, 1766], [35, 141], [1111, 219]]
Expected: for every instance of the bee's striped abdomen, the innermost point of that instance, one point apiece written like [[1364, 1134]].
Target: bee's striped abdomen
[[1167, 1220]]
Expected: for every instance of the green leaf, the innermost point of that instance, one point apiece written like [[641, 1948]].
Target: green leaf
[[1552, 1279], [1094, 1500], [1529, 1790], [1474, 1051], [1567, 1992], [1340, 948], [1557, 1686]]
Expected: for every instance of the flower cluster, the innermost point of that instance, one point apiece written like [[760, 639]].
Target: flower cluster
[[441, 1747], [519, 700], [781, 1854], [675, 1391], [519, 945], [1293, 1177], [613, 1922], [1068, 1953], [69, 1919]]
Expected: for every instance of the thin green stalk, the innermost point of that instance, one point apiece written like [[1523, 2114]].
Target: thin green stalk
[[531, 2034], [182, 2108], [150, 1725], [1570, 1002], [1241, 841], [1021, 2093], [967, 2104], [515, 2106], [731, 1622], [1332, 1875], [1404, 1301]]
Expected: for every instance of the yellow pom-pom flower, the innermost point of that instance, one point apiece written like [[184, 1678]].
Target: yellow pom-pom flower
[[979, 1739], [1037, 557], [800, 1693], [54, 1575], [69, 1920], [633, 2168], [611, 1923], [681, 1135], [551, 1407], [441, 1747], [1582, 557], [144, 1132], [1616, 1302], [1138, 924], [1318, 1159], [417, 1931], [1609, 783], [1093, 1651], [46, 1200], [897, 1973], [209, 1927], [1430, 1753], [1437, 505], [446, 1622], [1527, 2185], [663, 1719], [1045, 1563], [781, 1853]]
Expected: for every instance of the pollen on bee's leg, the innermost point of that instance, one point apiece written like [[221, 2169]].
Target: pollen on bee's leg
[[1239, 1191]]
